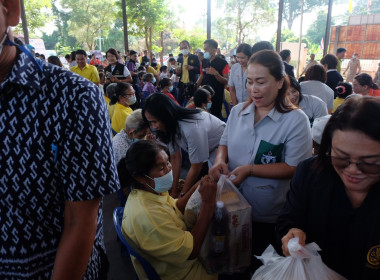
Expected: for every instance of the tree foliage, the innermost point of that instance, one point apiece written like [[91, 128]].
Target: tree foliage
[[317, 29], [89, 19], [292, 9], [38, 13]]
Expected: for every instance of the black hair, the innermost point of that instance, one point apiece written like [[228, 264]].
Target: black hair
[[285, 54], [139, 160], [73, 54], [67, 56], [358, 113], [141, 68], [294, 84], [153, 64], [55, 60], [273, 62], [170, 55], [132, 52], [119, 91], [202, 94], [148, 77], [339, 50], [343, 89], [262, 45], [186, 42], [330, 60], [113, 52], [244, 48], [165, 82], [83, 52], [172, 59], [316, 73], [163, 68], [141, 74], [201, 53], [365, 80], [168, 112], [211, 43]]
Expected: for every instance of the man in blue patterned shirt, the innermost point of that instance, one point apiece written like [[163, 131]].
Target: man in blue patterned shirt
[[56, 164]]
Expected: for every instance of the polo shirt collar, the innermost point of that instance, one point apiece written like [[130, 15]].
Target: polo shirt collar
[[273, 114], [160, 198]]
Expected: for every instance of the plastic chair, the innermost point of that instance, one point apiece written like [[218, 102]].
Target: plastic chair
[[148, 268]]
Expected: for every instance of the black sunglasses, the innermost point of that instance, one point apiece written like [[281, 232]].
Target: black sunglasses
[[365, 167]]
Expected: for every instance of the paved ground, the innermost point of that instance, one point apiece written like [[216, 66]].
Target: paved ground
[[121, 267]]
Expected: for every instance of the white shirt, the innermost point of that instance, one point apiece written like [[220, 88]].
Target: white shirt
[[288, 133], [121, 144], [313, 107], [199, 137], [320, 90]]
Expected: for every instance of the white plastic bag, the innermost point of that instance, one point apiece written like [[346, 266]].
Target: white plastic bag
[[304, 263], [240, 228]]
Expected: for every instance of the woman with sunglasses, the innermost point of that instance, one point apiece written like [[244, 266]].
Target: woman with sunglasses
[[334, 199]]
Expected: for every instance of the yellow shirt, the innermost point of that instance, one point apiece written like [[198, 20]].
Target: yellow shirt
[[227, 97], [185, 73], [89, 72], [156, 227], [111, 108], [152, 70], [119, 116], [337, 102]]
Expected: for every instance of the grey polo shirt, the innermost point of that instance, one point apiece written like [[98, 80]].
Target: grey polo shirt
[[313, 107], [276, 138], [199, 137], [320, 90], [238, 81]]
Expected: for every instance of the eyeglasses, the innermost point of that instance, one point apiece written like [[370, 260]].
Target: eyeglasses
[[365, 167]]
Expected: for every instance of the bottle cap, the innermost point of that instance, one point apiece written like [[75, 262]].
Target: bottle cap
[[220, 204]]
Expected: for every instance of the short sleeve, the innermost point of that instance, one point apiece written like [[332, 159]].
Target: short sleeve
[[298, 145], [319, 107], [197, 141], [231, 81], [87, 166], [126, 72], [226, 69], [95, 74]]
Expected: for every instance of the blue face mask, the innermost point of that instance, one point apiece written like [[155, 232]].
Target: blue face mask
[[171, 88], [154, 80], [163, 183], [135, 140], [207, 55], [208, 107]]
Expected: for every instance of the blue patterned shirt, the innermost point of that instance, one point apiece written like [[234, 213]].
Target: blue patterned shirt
[[56, 147]]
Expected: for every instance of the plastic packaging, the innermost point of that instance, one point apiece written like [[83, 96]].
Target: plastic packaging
[[303, 263], [236, 211]]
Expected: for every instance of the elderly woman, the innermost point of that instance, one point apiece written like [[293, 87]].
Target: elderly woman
[[153, 220], [135, 129], [334, 197], [264, 140]]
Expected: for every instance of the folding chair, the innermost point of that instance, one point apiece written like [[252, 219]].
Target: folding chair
[[148, 268]]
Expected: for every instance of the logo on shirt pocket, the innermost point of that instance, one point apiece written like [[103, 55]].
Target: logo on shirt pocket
[[268, 153], [373, 257]]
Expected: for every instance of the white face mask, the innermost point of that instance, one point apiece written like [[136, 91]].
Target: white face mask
[[5, 37], [185, 51], [131, 100]]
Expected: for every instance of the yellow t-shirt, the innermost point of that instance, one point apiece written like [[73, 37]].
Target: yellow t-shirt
[[227, 97], [89, 72], [119, 116], [185, 73], [152, 70], [156, 227], [111, 108], [337, 102]]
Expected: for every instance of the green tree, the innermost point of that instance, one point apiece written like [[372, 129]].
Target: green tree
[[89, 19], [361, 7], [195, 37], [38, 13], [317, 29], [148, 18], [292, 9]]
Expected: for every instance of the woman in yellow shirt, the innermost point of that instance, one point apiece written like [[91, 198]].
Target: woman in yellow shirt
[[123, 97]]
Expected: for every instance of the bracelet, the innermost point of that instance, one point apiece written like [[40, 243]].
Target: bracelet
[[251, 170]]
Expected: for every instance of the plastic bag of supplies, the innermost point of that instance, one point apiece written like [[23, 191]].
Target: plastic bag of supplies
[[304, 263], [227, 245]]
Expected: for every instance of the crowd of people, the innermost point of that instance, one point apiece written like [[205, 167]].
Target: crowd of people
[[71, 137]]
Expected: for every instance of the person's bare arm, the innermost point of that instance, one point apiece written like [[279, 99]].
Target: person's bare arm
[[220, 164], [192, 175], [176, 161], [75, 246]]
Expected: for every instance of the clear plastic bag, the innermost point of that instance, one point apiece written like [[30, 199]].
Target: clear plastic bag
[[304, 263], [239, 241]]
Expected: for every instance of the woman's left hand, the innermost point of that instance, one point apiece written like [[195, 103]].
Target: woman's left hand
[[240, 173]]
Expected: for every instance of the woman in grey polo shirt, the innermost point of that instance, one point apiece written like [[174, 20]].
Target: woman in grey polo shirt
[[264, 140], [238, 75], [193, 130]]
